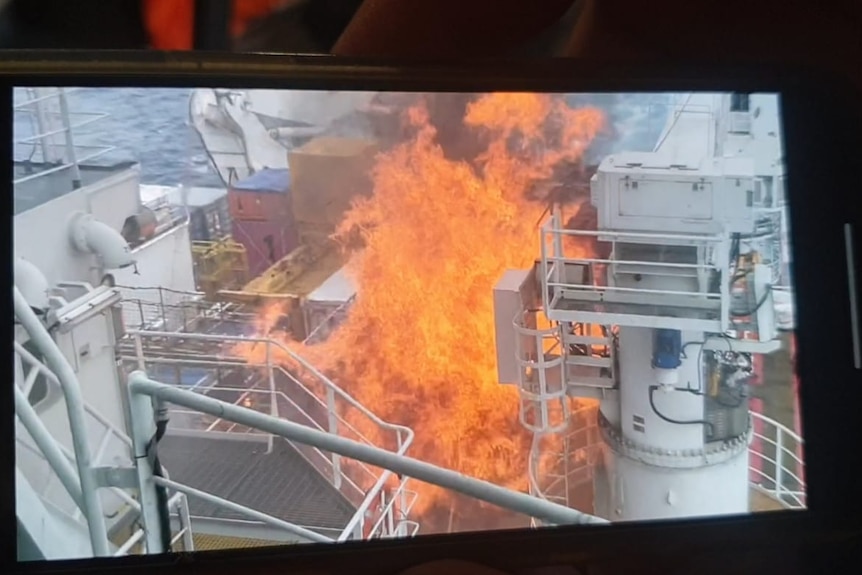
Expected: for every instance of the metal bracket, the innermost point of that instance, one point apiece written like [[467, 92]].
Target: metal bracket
[[122, 477], [742, 345]]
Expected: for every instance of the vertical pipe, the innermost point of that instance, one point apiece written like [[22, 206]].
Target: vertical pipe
[[402, 497], [273, 409], [544, 414], [779, 463], [543, 267], [139, 352], [42, 127], [143, 428], [70, 143], [162, 308], [333, 429], [77, 424], [185, 517], [797, 418], [557, 238], [390, 522]]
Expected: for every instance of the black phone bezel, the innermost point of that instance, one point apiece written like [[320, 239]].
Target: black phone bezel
[[822, 129]]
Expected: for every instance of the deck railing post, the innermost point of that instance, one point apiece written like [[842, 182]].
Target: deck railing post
[[143, 429], [333, 428], [779, 463], [273, 406]]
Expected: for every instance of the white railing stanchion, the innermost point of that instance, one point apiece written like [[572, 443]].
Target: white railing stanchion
[[779, 464], [772, 486], [143, 429], [139, 351], [333, 428], [186, 519], [273, 400]]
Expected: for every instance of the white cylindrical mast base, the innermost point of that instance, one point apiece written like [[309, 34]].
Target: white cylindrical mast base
[[676, 488]]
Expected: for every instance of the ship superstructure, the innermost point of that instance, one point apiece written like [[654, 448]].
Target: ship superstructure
[[155, 417], [664, 327]]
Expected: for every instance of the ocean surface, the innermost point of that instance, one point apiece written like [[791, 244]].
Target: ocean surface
[[147, 125], [151, 126]]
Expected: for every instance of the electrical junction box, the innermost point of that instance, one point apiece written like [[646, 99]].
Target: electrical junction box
[[514, 294], [647, 192]]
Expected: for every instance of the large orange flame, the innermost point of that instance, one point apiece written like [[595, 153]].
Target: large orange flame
[[418, 344]]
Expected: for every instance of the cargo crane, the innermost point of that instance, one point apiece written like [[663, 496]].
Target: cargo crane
[[662, 331]]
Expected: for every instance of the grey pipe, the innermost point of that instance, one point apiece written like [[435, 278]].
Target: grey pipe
[[49, 448], [139, 383], [75, 409]]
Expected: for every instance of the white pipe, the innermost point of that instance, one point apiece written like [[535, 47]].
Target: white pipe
[[143, 429], [49, 447], [70, 142], [274, 521], [77, 424], [141, 386]]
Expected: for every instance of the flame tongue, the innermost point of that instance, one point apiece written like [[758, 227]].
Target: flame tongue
[[418, 345]]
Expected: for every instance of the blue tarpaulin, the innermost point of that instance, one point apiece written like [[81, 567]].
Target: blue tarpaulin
[[268, 180]]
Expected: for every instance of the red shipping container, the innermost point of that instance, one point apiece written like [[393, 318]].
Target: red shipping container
[[263, 196], [265, 242]]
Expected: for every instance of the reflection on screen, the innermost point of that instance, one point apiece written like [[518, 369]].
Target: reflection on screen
[[581, 299]]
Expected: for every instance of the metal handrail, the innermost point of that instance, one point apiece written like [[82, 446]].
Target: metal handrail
[[75, 411], [58, 457], [283, 396], [61, 459], [785, 443], [595, 288], [143, 390], [329, 384], [263, 517], [177, 501], [404, 435], [549, 229]]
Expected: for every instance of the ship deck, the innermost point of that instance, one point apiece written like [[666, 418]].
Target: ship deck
[[282, 483], [759, 502], [40, 190]]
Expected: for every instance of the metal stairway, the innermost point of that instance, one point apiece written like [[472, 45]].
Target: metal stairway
[[86, 482], [195, 442]]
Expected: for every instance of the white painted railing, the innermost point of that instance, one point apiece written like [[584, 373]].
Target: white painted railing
[[144, 390], [314, 401], [778, 468], [708, 310], [775, 462], [111, 435], [569, 461]]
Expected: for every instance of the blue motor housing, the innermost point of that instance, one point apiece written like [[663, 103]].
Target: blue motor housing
[[667, 349]]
